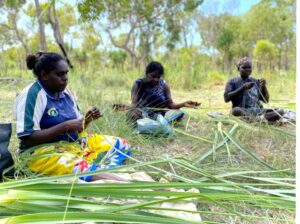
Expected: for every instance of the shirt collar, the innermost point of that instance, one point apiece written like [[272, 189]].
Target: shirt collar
[[51, 95]]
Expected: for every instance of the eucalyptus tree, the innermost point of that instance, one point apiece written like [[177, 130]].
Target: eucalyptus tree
[[221, 36], [273, 20], [10, 26], [144, 22], [265, 53], [61, 20], [42, 35]]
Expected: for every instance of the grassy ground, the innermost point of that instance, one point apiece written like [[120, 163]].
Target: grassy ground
[[275, 145]]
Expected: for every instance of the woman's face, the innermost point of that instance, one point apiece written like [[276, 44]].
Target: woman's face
[[153, 78], [245, 69], [57, 79]]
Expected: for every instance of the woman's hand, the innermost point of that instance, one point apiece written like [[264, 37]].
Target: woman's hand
[[92, 114], [262, 82], [191, 104], [248, 85], [120, 107], [74, 125]]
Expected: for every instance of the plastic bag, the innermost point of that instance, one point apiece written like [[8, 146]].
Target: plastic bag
[[290, 116], [156, 127]]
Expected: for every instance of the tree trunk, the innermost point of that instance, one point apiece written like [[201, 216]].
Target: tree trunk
[[279, 57], [56, 32], [19, 36], [286, 60], [259, 67], [14, 27], [134, 24], [124, 46], [41, 26]]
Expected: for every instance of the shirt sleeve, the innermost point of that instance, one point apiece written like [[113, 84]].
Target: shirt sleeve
[[29, 108], [75, 107], [229, 87], [77, 111]]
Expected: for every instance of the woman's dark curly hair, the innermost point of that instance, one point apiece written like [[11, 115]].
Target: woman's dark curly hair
[[154, 66], [42, 61]]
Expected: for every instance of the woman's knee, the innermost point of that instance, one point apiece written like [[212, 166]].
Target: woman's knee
[[134, 114], [237, 111]]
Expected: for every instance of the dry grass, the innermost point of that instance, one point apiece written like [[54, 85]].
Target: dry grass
[[266, 141], [275, 145]]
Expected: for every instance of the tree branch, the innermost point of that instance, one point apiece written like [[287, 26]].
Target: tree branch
[[6, 26]]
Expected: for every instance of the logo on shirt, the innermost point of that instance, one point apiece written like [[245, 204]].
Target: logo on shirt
[[52, 112]]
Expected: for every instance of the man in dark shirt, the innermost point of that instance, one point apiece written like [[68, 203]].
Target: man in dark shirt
[[246, 92]]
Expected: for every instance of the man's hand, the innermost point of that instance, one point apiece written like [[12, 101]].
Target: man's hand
[[92, 114], [191, 104], [248, 85]]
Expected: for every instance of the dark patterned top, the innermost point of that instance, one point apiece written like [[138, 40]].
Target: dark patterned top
[[249, 98], [154, 97]]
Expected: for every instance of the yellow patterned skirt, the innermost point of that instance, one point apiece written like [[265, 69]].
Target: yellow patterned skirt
[[94, 151]]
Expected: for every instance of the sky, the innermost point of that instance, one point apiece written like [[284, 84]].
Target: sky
[[236, 7]]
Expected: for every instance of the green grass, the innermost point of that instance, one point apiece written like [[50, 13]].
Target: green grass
[[256, 143]]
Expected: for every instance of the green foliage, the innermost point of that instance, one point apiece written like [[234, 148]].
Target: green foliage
[[145, 29], [235, 36], [265, 53], [90, 9], [225, 39], [186, 68], [91, 38], [117, 58], [145, 20], [270, 20], [265, 49], [215, 78], [66, 16], [14, 3]]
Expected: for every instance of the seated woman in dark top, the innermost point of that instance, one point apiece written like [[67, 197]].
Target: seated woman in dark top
[[151, 95], [47, 113], [246, 92]]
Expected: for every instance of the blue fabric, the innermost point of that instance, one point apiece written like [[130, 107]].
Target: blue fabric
[[151, 97], [116, 158], [59, 110], [89, 178], [120, 158]]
